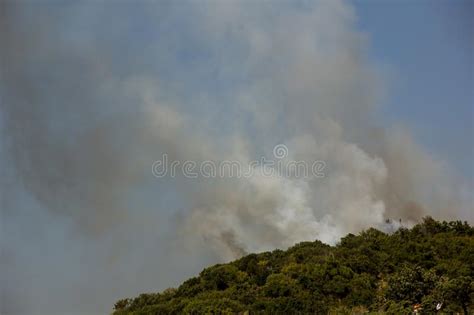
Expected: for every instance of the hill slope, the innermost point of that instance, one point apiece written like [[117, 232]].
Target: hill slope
[[429, 264]]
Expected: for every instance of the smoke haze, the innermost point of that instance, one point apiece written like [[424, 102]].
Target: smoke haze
[[93, 93]]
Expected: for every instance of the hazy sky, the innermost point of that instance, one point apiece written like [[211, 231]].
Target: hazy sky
[[427, 48], [91, 93]]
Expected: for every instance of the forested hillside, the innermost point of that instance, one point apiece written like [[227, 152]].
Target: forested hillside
[[431, 264]]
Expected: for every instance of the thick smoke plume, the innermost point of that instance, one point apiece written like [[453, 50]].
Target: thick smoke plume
[[92, 93]]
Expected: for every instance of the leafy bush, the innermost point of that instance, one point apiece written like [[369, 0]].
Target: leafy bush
[[373, 272]]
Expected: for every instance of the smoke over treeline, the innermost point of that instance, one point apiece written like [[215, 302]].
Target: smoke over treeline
[[92, 93]]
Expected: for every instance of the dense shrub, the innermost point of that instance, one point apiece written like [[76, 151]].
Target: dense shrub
[[430, 264]]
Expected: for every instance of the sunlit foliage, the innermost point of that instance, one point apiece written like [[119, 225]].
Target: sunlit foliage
[[431, 264]]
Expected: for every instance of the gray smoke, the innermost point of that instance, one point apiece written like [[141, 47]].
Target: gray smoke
[[92, 93]]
